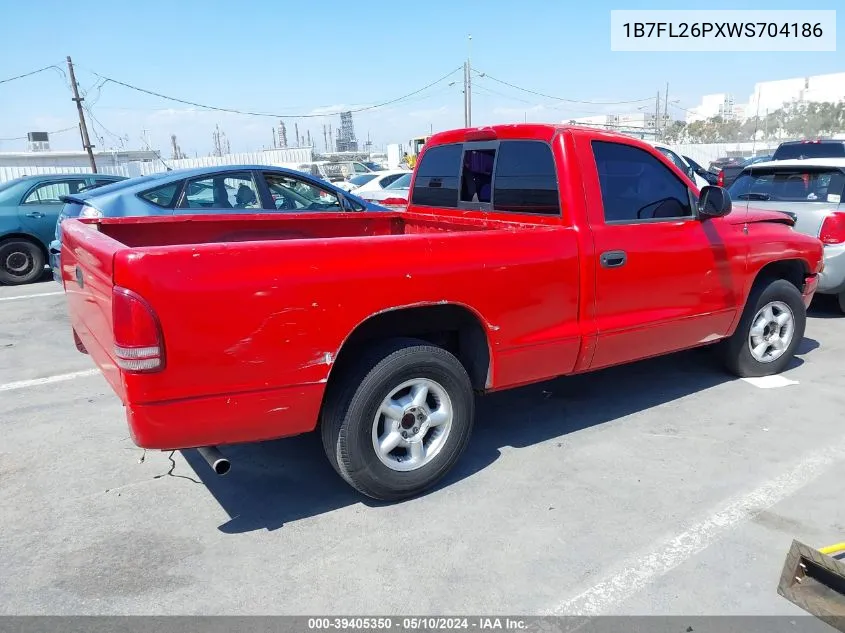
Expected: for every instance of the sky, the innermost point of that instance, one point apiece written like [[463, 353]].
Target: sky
[[302, 58]]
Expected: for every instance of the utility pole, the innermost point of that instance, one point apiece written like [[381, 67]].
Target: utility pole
[[466, 109], [666, 108], [469, 82], [83, 129], [656, 115]]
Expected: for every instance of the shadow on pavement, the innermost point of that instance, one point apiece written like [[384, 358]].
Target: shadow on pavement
[[273, 483], [825, 307]]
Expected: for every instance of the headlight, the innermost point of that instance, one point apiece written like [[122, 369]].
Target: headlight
[[90, 212]]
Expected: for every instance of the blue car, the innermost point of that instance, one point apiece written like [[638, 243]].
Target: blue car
[[29, 207], [222, 189]]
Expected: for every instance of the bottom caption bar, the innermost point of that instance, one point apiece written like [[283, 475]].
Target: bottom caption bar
[[303, 624]]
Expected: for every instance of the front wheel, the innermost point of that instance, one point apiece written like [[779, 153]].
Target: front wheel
[[21, 262], [769, 331], [395, 425]]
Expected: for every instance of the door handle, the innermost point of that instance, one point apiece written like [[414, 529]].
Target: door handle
[[613, 259], [35, 214]]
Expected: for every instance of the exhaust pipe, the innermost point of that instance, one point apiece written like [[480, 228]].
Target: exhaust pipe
[[219, 464]]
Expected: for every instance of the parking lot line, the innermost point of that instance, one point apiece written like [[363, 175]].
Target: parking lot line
[[40, 294], [637, 572], [35, 382]]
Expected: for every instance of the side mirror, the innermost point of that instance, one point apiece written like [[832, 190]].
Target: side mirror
[[713, 202]]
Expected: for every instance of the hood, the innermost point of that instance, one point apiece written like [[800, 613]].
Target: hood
[[743, 215]]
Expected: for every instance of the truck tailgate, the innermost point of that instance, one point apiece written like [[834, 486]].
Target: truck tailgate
[[87, 261]]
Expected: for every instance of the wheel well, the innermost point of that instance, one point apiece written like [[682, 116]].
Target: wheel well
[[792, 270], [28, 238], [449, 326]]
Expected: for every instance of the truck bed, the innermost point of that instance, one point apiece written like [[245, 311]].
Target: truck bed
[[255, 309], [173, 230]]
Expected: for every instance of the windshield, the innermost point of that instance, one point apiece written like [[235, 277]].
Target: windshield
[[9, 191], [794, 185], [362, 179], [403, 182], [810, 150]]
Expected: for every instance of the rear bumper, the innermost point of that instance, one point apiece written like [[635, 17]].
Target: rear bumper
[[811, 283], [832, 278], [226, 419], [55, 260]]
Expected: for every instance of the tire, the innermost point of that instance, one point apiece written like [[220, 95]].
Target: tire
[[841, 298], [782, 298], [21, 261], [351, 423]]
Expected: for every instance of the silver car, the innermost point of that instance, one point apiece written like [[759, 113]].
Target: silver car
[[812, 192]]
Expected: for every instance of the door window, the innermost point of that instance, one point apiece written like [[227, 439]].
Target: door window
[[51, 192], [223, 191], [635, 186], [292, 194]]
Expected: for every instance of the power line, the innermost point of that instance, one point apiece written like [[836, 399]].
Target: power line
[[269, 114], [488, 90], [23, 138], [541, 94], [34, 72]]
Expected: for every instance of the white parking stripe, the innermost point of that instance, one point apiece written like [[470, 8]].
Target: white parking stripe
[[637, 572], [35, 382], [40, 294], [771, 382]]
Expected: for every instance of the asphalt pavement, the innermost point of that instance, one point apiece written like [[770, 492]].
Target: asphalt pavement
[[665, 487]]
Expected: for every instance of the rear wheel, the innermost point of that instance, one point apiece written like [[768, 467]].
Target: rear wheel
[[771, 327], [397, 423], [21, 261]]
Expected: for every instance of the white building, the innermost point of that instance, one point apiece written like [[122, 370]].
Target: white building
[[773, 95], [720, 104]]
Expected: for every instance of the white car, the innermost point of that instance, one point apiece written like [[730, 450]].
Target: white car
[[394, 196], [374, 181], [681, 164]]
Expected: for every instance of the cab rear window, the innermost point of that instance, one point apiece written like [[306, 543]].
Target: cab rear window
[[510, 176]]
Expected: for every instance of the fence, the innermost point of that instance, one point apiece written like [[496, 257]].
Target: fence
[[279, 157]]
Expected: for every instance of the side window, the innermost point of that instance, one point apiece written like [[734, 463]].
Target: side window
[[164, 196], [636, 186], [389, 180], [224, 191], [526, 181], [674, 158], [436, 184], [292, 194], [50, 192]]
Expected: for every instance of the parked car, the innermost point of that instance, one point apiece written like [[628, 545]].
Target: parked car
[[812, 191], [729, 173], [819, 148], [393, 196], [681, 164], [709, 177], [375, 181], [527, 252], [726, 161], [222, 189], [29, 207]]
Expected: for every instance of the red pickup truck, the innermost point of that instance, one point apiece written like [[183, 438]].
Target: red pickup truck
[[527, 252]]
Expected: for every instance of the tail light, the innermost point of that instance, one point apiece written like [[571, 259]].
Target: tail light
[[833, 228], [394, 202], [138, 343], [720, 180]]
